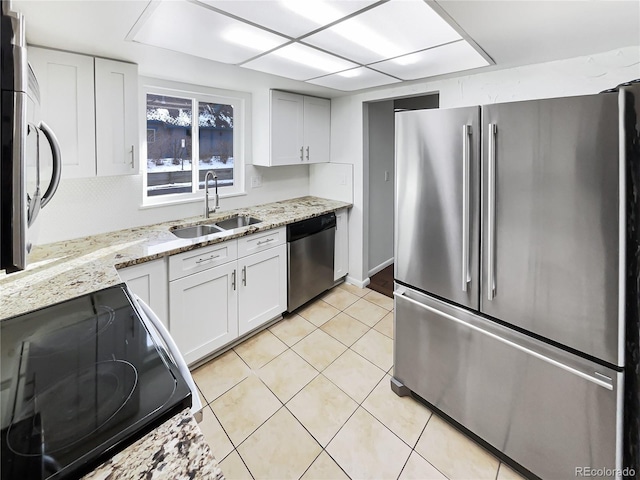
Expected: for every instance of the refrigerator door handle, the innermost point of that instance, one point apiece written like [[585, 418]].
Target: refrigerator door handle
[[466, 274], [491, 220], [591, 376]]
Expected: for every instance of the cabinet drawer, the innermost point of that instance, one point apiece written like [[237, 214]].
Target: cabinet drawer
[[261, 241], [202, 258]]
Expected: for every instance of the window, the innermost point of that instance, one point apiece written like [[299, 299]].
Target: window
[[191, 130]]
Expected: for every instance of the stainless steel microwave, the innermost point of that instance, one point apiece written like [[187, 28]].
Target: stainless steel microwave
[[23, 165]]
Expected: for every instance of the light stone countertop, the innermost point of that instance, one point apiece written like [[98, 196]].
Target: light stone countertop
[[176, 450], [64, 270]]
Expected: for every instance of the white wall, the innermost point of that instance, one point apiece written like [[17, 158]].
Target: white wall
[[381, 125], [97, 205], [577, 76], [331, 180]]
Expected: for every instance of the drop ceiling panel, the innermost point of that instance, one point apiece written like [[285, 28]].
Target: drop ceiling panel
[[394, 28], [291, 17], [354, 79], [299, 62], [196, 30], [453, 57]]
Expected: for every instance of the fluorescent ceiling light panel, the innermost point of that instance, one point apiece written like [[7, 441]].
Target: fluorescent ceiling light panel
[[290, 17], [454, 57], [394, 28], [196, 30], [354, 79], [299, 62]]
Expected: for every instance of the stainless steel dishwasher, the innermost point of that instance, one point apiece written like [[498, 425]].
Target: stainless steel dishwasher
[[310, 254]]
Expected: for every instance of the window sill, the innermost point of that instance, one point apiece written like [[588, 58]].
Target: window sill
[[181, 201]]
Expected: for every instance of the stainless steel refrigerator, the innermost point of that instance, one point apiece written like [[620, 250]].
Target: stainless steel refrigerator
[[510, 259]]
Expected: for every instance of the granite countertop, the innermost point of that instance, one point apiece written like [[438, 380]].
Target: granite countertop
[[175, 450], [63, 270]]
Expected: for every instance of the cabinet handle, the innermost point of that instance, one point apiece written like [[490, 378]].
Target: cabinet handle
[[265, 241], [133, 157], [233, 279], [212, 257], [301, 153], [307, 154], [244, 276]]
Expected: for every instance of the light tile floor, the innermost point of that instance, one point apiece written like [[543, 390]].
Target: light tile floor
[[310, 398]]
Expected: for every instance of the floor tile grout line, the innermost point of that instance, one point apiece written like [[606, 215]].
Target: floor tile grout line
[[313, 461], [418, 453], [223, 430], [300, 339], [404, 465], [422, 457], [348, 346], [336, 462], [362, 356], [245, 464], [301, 388]]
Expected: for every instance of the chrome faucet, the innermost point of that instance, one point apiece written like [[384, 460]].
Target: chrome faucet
[[216, 207]]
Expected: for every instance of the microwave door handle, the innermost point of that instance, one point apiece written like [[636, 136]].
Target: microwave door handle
[[34, 203], [196, 404], [57, 164]]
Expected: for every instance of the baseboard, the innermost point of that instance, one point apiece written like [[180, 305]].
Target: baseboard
[[357, 283], [380, 267]]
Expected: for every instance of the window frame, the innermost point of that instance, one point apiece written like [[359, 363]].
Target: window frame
[[241, 103]]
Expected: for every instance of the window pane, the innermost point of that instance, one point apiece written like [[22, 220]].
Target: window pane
[[215, 122], [168, 145]]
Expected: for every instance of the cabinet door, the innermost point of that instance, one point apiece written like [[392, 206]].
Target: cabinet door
[[341, 258], [116, 122], [263, 287], [150, 282], [287, 120], [204, 311], [67, 106], [317, 129]]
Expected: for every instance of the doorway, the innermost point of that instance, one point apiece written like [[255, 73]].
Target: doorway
[[379, 172]]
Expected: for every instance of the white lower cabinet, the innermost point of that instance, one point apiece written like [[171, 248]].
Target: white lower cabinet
[[149, 281], [211, 307], [263, 289], [341, 258], [204, 311]]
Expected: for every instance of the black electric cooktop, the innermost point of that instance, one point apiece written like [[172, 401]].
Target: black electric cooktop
[[81, 380]]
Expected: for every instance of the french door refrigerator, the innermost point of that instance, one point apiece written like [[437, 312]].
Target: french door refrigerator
[[510, 275]]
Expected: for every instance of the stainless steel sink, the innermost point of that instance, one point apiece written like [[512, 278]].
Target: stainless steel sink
[[237, 221], [196, 231]]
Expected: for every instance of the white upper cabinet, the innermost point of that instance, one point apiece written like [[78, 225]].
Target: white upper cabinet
[[116, 112], [91, 105], [300, 129], [287, 122], [317, 129], [66, 98]]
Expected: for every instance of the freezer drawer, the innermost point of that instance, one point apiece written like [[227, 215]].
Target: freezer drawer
[[547, 409]]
